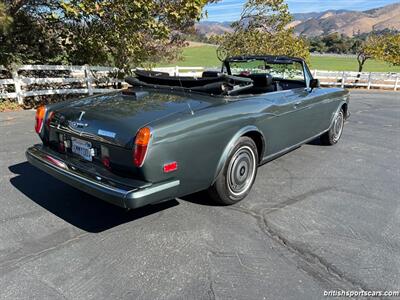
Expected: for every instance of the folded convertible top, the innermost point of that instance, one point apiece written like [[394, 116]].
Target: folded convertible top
[[221, 84]]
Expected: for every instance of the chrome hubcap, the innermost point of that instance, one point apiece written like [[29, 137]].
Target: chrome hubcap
[[337, 127], [241, 170]]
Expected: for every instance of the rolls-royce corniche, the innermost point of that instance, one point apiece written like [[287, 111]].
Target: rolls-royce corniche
[[166, 136]]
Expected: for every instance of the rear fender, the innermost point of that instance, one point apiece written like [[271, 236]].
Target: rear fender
[[336, 112], [231, 144]]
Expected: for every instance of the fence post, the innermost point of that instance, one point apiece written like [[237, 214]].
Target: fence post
[[314, 73], [17, 85], [88, 79], [396, 83], [176, 71], [369, 81], [343, 78]]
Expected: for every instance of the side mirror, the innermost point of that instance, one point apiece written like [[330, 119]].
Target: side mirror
[[314, 83]]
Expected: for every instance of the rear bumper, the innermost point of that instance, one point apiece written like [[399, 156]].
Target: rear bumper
[[136, 194]]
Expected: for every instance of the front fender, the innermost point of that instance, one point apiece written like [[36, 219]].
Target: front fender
[[231, 144]]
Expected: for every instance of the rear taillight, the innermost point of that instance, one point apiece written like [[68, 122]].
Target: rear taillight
[[40, 113], [141, 144]]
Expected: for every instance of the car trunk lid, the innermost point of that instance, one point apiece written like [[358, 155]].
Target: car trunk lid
[[115, 118]]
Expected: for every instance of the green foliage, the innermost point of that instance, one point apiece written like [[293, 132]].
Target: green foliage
[[333, 43], [262, 29], [391, 49], [5, 19], [29, 40], [342, 44], [385, 47], [123, 33], [128, 33]]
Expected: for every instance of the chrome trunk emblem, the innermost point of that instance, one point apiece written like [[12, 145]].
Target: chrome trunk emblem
[[75, 124]]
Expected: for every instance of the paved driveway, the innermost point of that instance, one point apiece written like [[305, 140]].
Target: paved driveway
[[319, 218]]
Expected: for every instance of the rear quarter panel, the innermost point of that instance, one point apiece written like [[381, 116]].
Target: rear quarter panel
[[197, 142]]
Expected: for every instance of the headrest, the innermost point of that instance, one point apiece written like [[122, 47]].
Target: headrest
[[207, 74], [261, 80]]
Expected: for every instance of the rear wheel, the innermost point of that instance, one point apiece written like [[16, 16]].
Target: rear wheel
[[238, 174], [332, 136]]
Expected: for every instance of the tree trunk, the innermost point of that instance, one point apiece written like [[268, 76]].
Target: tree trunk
[[361, 58]]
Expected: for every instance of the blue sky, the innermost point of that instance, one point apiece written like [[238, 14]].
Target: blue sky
[[229, 10]]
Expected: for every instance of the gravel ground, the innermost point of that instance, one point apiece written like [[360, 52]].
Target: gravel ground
[[319, 218]]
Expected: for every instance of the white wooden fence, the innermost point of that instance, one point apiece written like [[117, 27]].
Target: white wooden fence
[[355, 79], [96, 79], [327, 78], [75, 80]]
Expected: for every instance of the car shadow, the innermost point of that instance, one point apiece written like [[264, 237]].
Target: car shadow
[[75, 207], [315, 142], [200, 198]]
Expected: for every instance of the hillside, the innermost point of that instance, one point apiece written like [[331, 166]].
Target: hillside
[[350, 22], [322, 23], [213, 28]]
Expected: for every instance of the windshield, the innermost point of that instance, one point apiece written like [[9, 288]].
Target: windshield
[[289, 70]]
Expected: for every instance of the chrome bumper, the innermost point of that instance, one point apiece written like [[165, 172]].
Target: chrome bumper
[[136, 194]]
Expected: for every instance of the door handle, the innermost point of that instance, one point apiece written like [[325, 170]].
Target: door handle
[[297, 104]]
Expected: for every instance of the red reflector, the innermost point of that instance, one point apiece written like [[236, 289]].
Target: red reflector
[[106, 162], [173, 166]]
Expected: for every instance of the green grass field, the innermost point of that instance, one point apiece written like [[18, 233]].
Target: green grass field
[[205, 56], [349, 64]]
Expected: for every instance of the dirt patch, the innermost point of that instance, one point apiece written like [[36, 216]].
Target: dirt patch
[[7, 105]]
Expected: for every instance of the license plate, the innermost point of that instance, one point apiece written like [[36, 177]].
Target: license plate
[[82, 148]]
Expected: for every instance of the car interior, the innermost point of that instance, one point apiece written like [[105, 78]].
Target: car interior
[[263, 82], [244, 76]]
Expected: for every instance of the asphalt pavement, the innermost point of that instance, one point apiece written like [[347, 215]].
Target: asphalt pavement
[[319, 218]]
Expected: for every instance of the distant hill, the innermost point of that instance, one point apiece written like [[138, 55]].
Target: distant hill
[[322, 23], [348, 22], [213, 28], [310, 15]]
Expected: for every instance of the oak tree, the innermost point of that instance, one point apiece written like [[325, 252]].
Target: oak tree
[[263, 28], [122, 33], [385, 47], [131, 32]]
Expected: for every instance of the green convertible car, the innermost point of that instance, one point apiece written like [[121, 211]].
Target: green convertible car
[[169, 136]]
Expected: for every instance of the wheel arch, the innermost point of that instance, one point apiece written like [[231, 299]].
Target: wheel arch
[[250, 131], [341, 105], [345, 107]]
